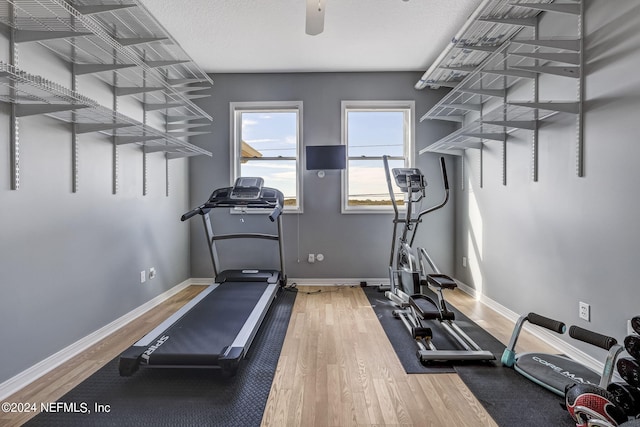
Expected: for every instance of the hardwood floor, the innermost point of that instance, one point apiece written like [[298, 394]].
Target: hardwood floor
[[336, 368], [62, 379]]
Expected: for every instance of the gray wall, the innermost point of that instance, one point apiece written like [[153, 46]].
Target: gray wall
[[354, 245], [70, 263], [544, 246]]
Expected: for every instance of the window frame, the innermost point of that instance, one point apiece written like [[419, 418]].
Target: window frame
[[235, 111], [408, 108]]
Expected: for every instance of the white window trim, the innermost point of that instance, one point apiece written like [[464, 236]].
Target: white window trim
[[235, 131], [409, 148]]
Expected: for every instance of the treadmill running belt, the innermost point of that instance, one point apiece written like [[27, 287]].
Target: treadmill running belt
[[201, 335]]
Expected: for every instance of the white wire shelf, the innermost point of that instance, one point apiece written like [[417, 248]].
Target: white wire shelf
[[34, 94], [133, 25], [126, 41], [513, 61], [494, 127], [490, 63], [490, 26]]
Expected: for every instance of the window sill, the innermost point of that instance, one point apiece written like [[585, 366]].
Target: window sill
[[370, 210]]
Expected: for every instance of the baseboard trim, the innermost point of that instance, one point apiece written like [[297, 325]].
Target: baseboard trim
[[201, 281], [550, 338], [332, 281], [19, 381], [26, 377]]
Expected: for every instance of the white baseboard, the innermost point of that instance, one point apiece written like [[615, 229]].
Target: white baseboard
[[545, 335], [201, 281], [337, 281], [548, 337], [31, 374]]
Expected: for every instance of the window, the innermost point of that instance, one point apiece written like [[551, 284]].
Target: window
[[267, 140], [371, 130]]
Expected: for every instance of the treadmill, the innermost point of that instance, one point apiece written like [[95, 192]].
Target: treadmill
[[216, 328]]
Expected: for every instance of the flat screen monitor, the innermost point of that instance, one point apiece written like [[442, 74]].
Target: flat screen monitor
[[324, 157]]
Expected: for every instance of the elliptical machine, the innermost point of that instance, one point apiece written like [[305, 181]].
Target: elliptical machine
[[409, 272]]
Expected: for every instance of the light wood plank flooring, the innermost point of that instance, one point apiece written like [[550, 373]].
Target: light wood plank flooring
[[62, 379], [337, 367]]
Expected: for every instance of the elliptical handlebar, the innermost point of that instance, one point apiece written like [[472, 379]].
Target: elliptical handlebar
[[385, 160], [445, 182]]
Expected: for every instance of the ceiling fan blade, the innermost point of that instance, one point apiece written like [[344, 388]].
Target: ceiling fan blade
[[315, 17]]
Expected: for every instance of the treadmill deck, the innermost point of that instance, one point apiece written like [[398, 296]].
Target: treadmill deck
[[216, 331], [202, 334]]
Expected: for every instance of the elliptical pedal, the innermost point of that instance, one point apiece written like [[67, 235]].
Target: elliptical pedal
[[441, 281], [424, 306], [421, 332]]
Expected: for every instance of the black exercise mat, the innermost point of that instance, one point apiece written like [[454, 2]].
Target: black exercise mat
[[406, 347], [512, 400], [181, 397], [508, 397], [399, 337]]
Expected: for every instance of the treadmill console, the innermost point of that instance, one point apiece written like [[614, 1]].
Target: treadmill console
[[247, 193], [246, 188]]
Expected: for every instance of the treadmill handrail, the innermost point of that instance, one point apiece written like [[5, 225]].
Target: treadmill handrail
[[268, 198], [277, 211], [245, 236]]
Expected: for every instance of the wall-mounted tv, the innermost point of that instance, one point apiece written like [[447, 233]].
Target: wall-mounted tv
[[325, 157]]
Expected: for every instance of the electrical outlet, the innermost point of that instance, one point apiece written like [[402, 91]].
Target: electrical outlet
[[464, 261], [584, 311], [311, 258], [152, 273], [143, 276]]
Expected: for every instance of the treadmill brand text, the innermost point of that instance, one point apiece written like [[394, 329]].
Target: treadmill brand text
[[154, 347]]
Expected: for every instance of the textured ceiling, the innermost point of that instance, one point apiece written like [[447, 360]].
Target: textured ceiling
[[224, 36]]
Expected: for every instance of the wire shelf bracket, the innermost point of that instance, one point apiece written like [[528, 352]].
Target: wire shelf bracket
[[496, 50]]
